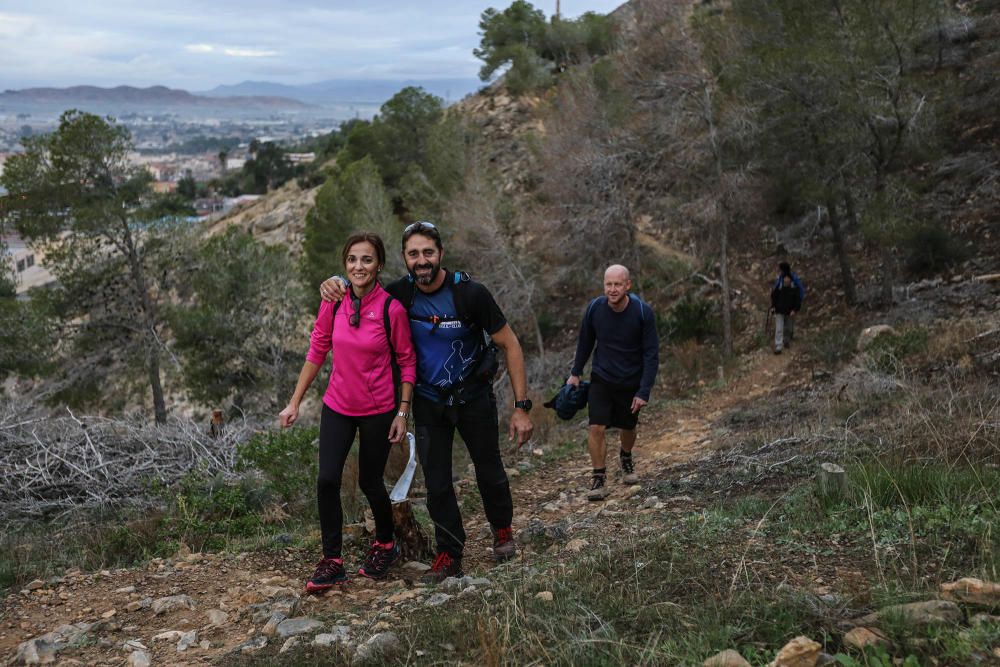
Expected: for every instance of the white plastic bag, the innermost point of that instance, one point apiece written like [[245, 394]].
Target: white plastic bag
[[402, 487]]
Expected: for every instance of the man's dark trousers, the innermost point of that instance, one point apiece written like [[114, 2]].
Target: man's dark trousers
[[476, 421]]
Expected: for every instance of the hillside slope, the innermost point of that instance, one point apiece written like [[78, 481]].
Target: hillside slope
[[737, 536]]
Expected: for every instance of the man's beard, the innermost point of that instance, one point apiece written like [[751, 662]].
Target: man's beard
[[428, 278]]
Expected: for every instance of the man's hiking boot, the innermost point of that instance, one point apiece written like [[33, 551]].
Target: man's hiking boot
[[444, 566], [777, 350], [503, 544], [598, 490], [329, 573], [379, 559], [628, 470]]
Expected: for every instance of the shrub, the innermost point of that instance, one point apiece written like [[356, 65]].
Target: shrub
[[888, 351], [691, 318], [835, 345], [932, 249], [204, 512], [287, 459], [528, 71]]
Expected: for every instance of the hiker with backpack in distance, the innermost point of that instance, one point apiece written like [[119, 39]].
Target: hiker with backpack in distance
[[626, 358], [451, 316], [786, 300], [369, 335]]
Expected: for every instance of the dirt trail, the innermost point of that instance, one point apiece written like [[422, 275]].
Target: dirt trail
[[549, 497], [684, 432]]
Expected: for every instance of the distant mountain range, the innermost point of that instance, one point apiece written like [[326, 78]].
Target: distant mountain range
[[129, 97], [340, 98], [347, 91]]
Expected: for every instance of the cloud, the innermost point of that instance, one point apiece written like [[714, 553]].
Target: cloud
[[248, 53], [196, 45], [14, 26], [232, 51]]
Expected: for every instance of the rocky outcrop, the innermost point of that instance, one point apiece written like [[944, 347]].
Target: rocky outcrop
[[972, 591], [508, 124], [800, 652], [727, 658], [276, 219]]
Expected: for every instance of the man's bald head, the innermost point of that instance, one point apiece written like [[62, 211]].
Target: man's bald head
[[616, 286], [617, 271]]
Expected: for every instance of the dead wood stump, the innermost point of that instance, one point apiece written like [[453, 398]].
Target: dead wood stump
[[413, 544], [833, 481]]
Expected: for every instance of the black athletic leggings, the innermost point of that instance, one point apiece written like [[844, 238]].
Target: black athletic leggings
[[336, 435]]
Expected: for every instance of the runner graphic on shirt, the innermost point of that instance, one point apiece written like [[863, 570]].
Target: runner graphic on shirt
[[456, 364]]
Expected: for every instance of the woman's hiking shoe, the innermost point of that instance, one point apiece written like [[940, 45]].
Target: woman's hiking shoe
[[503, 544], [379, 559], [329, 573], [598, 491], [445, 565], [628, 470]]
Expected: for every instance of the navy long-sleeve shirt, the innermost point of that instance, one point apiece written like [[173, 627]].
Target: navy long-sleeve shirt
[[628, 348]]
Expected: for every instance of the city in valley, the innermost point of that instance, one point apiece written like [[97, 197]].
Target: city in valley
[[196, 146]]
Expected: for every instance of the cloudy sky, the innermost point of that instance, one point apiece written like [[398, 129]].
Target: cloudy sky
[[197, 45]]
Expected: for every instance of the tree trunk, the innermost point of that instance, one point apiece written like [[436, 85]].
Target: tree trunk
[[727, 314], [852, 213], [539, 340], [148, 307], [887, 277], [840, 250], [727, 307], [413, 544], [159, 404]]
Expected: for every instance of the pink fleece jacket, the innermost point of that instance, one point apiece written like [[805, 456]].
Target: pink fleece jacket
[[361, 379]]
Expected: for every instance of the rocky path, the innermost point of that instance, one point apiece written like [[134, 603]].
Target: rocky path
[[194, 608]]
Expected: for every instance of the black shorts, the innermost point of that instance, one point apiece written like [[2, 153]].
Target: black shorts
[[611, 404]]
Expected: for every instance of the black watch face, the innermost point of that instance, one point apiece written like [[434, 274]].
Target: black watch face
[[524, 405]]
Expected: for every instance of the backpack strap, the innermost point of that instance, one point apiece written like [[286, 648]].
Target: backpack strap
[[410, 290], [590, 308], [333, 318], [642, 306], [459, 291], [387, 325]]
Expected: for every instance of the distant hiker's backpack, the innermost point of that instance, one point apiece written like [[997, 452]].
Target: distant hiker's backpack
[[795, 281], [387, 325]]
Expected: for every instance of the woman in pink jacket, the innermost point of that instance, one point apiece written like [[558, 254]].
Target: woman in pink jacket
[[361, 397]]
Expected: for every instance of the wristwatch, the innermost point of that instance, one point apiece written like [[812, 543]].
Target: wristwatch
[[523, 405], [403, 414]]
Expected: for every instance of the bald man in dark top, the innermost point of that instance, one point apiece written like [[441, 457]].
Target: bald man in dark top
[[622, 328]]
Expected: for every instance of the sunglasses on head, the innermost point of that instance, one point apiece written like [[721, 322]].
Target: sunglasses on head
[[417, 226]]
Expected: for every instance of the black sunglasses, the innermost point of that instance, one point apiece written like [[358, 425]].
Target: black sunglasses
[[355, 318]]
